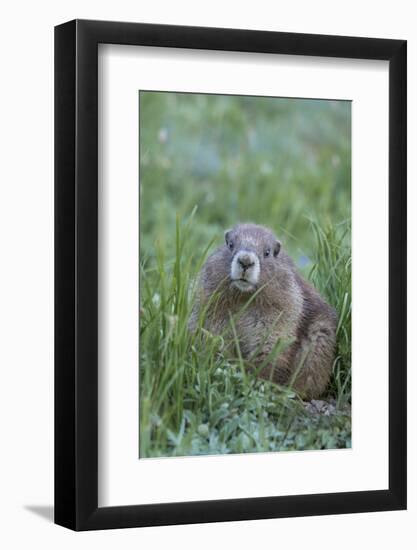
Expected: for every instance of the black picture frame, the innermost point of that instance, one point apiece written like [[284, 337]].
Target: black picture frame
[[76, 272]]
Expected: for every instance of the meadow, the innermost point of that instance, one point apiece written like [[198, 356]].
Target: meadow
[[206, 163]]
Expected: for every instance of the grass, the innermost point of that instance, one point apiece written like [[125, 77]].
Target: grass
[[206, 163], [196, 400]]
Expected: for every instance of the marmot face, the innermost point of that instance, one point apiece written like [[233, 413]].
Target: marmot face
[[253, 254]]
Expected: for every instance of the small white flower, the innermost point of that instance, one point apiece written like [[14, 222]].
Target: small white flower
[[163, 135]]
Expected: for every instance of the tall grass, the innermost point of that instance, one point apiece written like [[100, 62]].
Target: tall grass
[[331, 274], [196, 400]]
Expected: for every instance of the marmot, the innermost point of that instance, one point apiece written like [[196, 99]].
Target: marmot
[[251, 279]]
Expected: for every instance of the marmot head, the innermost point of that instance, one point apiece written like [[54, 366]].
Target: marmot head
[[252, 251]]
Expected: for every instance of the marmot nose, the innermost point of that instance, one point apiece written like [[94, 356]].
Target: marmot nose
[[245, 261]]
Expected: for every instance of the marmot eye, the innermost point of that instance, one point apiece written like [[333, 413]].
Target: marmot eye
[[267, 252], [231, 245]]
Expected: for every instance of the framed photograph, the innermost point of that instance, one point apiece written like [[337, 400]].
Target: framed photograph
[[230, 275]]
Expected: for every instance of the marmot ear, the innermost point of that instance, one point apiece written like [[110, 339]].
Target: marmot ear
[[277, 248], [227, 235]]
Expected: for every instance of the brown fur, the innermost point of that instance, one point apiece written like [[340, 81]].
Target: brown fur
[[285, 309]]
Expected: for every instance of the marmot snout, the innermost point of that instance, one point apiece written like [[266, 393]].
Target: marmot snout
[[281, 308]]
